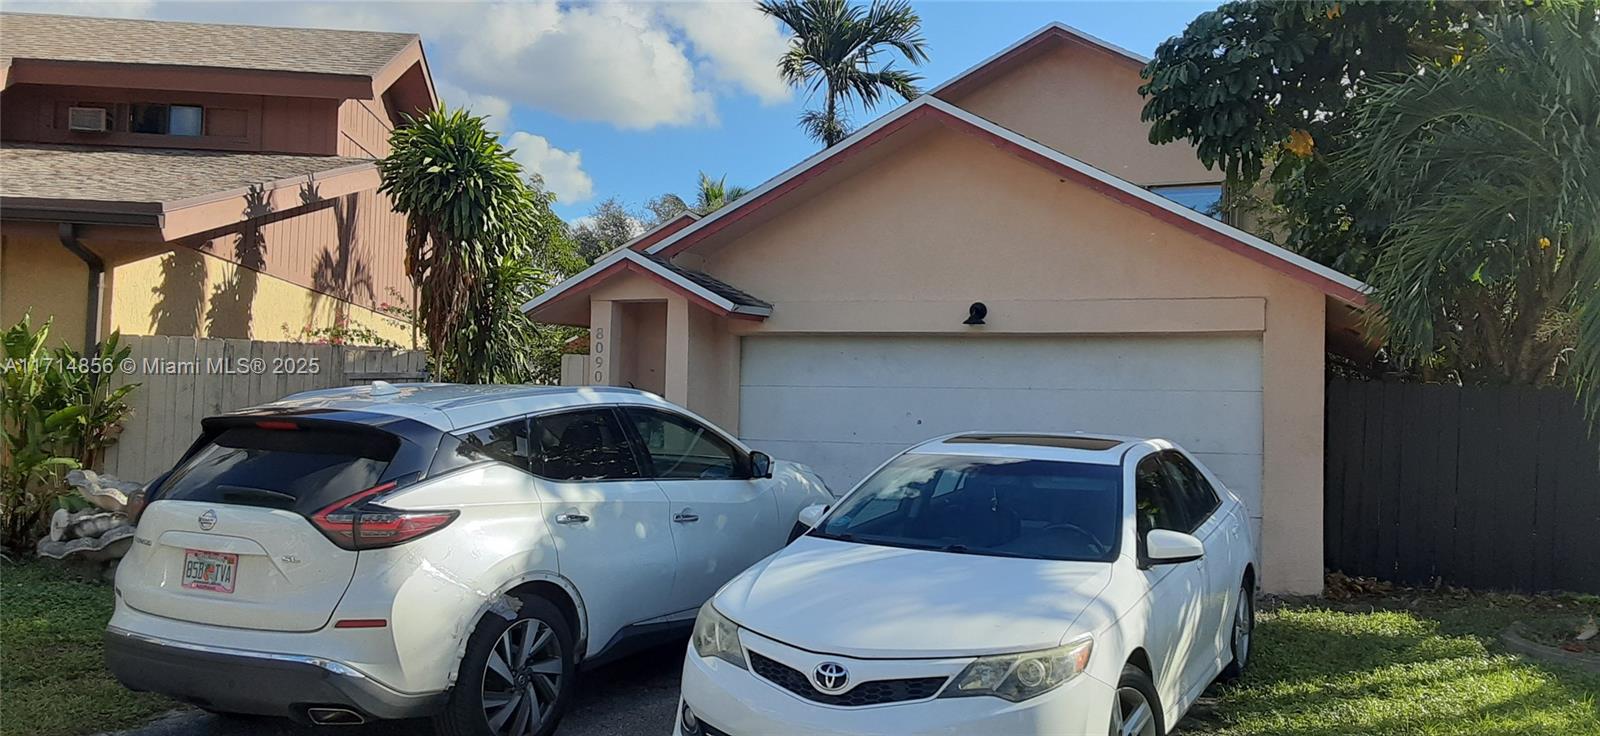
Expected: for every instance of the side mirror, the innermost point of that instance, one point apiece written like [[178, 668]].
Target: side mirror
[[812, 515], [1167, 547], [760, 464]]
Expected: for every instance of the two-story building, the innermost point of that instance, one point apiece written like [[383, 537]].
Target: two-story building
[[1007, 252], [201, 180]]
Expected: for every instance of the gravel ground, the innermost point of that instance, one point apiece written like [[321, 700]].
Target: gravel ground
[[636, 696]]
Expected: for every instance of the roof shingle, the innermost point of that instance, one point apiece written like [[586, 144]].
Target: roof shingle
[[216, 45], [713, 284], [100, 173]]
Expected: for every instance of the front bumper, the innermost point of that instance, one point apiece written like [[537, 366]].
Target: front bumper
[[736, 702], [263, 683]]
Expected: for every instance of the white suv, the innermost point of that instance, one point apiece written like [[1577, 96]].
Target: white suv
[[436, 550]]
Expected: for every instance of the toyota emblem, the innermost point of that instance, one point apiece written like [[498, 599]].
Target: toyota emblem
[[208, 520], [831, 677]]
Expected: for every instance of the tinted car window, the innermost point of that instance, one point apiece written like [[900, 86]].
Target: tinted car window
[[1199, 499], [679, 448], [506, 442], [582, 445], [1157, 505], [992, 506], [302, 469]]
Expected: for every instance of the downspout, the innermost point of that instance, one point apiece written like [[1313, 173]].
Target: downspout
[[68, 233]]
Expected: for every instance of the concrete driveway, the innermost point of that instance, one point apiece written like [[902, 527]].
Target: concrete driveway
[[636, 696]]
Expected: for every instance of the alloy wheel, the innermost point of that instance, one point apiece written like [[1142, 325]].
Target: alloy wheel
[[1133, 715], [522, 678], [1243, 620]]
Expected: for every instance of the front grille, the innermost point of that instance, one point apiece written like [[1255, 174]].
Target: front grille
[[871, 692]]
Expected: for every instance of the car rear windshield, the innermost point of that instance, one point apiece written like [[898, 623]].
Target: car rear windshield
[[1008, 507], [301, 469]]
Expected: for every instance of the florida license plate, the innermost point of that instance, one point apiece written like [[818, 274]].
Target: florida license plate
[[213, 571]]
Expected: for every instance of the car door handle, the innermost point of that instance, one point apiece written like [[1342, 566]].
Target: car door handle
[[685, 517], [572, 518]]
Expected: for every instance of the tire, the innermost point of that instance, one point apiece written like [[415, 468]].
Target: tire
[[1135, 709], [547, 675], [1241, 634]]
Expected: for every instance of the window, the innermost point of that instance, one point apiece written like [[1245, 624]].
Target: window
[[507, 443], [1203, 198], [186, 120], [1157, 506], [1199, 499], [680, 448], [301, 470], [582, 445], [1003, 507], [162, 119]]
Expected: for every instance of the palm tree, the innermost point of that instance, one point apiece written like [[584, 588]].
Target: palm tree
[[714, 193], [1494, 166], [836, 49], [468, 212]]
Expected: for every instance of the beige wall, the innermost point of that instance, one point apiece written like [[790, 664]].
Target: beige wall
[[904, 245], [1085, 103], [188, 293], [39, 277]]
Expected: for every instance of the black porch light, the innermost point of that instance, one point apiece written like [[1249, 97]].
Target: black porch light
[[976, 313]]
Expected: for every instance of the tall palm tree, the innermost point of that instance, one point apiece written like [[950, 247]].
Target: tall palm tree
[[836, 50], [1494, 166], [714, 193]]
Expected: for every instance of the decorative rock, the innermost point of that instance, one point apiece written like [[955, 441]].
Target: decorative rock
[[65, 525], [108, 494], [111, 545]]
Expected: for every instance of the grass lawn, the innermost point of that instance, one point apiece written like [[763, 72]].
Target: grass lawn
[[1393, 665], [1412, 664], [52, 673]]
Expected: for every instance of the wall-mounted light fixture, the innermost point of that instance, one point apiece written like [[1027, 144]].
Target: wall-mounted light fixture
[[976, 313]]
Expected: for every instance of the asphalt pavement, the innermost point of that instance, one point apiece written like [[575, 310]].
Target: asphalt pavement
[[635, 696]]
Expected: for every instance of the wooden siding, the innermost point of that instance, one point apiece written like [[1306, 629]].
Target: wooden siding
[[168, 406], [351, 247], [364, 128], [234, 122]]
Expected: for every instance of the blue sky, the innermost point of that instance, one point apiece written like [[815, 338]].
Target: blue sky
[[633, 99]]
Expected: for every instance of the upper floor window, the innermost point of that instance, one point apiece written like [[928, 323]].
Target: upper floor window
[[163, 119], [1203, 198]]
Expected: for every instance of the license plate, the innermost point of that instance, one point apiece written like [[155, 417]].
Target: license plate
[[213, 571]]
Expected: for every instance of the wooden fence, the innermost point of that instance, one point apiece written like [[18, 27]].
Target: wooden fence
[[1494, 488], [183, 380]]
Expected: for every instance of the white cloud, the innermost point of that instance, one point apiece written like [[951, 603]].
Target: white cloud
[[497, 110], [635, 65], [562, 170]]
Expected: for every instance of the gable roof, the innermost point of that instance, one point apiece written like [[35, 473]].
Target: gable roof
[[660, 232], [927, 107], [1009, 57], [699, 287], [69, 38]]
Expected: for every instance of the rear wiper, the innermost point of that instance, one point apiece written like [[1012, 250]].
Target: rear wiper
[[954, 548]]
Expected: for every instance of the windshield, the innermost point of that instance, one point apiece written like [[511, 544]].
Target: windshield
[[1007, 507]]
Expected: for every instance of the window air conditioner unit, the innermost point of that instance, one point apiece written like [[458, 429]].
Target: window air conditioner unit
[[87, 119]]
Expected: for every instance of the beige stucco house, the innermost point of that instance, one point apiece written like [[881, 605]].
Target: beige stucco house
[[828, 315]]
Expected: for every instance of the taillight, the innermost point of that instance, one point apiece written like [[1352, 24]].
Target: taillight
[[351, 525]]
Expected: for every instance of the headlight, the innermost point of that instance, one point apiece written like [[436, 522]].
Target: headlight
[[1017, 677], [716, 636]]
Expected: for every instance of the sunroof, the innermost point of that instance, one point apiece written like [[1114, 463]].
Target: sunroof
[[1041, 440]]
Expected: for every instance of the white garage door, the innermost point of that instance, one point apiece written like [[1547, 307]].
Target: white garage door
[[845, 404]]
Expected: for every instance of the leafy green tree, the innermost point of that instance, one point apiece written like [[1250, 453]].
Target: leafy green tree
[[607, 227], [467, 213], [1264, 91], [838, 50], [1492, 166]]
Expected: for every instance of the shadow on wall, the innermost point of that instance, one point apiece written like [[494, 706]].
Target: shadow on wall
[[339, 273], [180, 294], [232, 300]]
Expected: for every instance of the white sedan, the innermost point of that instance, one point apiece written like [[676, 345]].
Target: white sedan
[[987, 584]]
